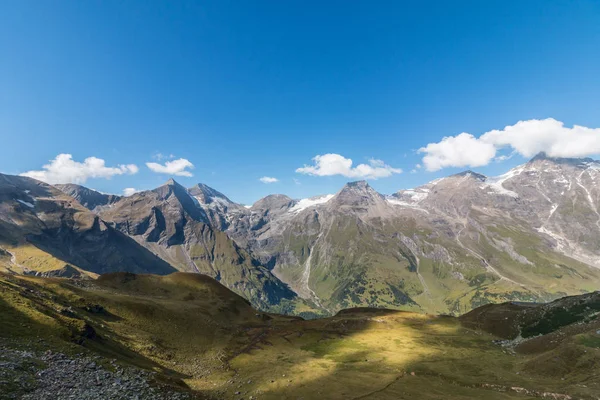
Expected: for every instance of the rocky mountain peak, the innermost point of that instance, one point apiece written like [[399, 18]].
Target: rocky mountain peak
[[170, 191], [274, 201], [470, 174], [168, 188], [207, 195], [358, 187], [89, 198], [358, 193], [358, 184], [543, 159], [72, 187], [541, 156]]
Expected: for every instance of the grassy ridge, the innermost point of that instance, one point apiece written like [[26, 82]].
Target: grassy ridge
[[198, 334]]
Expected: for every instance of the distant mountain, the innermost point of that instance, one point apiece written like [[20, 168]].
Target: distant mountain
[[89, 198], [177, 225], [447, 246], [216, 205], [557, 198], [357, 197], [49, 233]]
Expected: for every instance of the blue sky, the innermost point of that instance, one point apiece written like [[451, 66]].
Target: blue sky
[[244, 90]]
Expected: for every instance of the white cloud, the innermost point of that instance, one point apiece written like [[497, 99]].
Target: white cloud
[[504, 157], [416, 169], [176, 167], [526, 138], [161, 156], [268, 179], [129, 191], [529, 138], [335, 164], [457, 151], [63, 169], [297, 182]]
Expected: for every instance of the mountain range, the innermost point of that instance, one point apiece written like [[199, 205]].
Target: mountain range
[[532, 234]]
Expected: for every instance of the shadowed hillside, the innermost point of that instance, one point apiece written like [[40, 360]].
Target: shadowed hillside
[[197, 335], [44, 231]]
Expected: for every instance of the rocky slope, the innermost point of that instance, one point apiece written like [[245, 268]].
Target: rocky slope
[[44, 231], [182, 227], [89, 198], [218, 208], [53, 375]]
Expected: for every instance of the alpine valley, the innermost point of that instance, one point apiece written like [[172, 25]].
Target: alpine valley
[[447, 247]]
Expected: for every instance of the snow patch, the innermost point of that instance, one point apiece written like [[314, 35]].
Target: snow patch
[[397, 202], [26, 203], [592, 165], [313, 201], [401, 203], [216, 202], [552, 210], [195, 200], [560, 241], [561, 180], [587, 192], [495, 183], [416, 196]]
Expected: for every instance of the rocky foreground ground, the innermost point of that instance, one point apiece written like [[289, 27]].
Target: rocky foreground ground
[[51, 375]]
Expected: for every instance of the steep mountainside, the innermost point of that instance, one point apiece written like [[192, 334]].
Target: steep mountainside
[[44, 231], [218, 208], [530, 320], [175, 224], [89, 198], [558, 198]]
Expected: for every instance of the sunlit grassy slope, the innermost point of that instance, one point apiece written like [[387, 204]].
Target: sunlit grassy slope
[[200, 335]]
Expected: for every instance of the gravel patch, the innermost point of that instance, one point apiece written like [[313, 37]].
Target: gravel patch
[[50, 375]]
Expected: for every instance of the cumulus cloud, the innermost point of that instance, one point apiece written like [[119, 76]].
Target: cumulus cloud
[[526, 138], [335, 164], [63, 169], [529, 138], [129, 191], [268, 179], [457, 151], [177, 167]]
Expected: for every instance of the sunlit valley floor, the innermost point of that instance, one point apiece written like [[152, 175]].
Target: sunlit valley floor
[[204, 341]]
